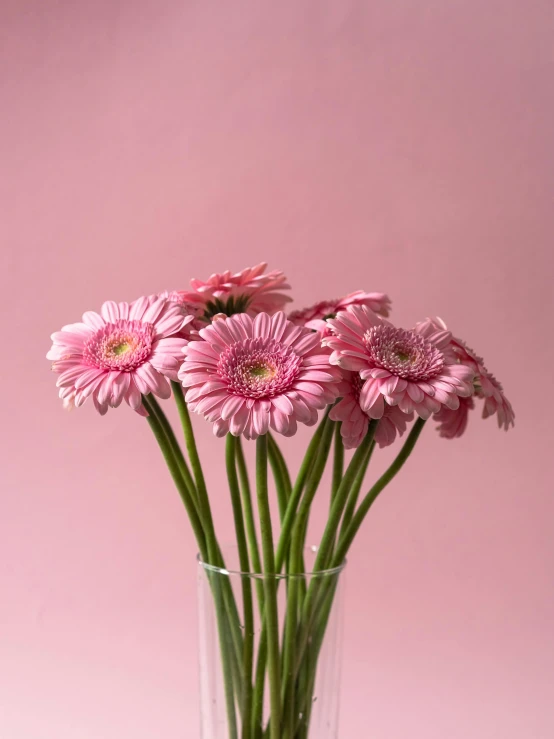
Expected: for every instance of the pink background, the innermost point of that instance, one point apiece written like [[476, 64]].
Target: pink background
[[398, 146]]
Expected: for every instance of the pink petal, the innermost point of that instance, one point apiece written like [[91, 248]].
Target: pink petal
[[282, 403], [231, 406], [309, 387], [388, 386], [378, 373], [306, 344], [260, 420], [369, 394], [239, 420], [278, 325], [262, 326], [316, 360], [193, 378], [120, 386], [110, 311], [102, 408], [154, 310], [104, 390], [123, 310], [93, 320], [133, 396], [87, 377], [415, 392], [75, 341], [221, 428], [353, 364], [315, 376], [169, 325], [137, 309]]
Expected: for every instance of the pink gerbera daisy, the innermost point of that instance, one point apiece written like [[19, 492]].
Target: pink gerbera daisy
[[355, 422], [249, 375], [123, 352], [316, 316], [399, 367], [250, 291], [486, 386]]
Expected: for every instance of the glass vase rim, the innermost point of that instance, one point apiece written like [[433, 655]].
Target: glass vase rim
[[226, 571]]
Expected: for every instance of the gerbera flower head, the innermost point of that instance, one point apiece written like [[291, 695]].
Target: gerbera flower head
[[316, 316], [403, 368], [125, 351], [249, 375], [250, 291], [355, 421], [485, 385]]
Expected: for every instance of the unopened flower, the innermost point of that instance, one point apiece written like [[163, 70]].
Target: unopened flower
[[125, 351], [249, 375], [250, 291], [399, 367], [316, 316], [355, 421]]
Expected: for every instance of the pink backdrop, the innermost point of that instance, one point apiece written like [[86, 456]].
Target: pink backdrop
[[398, 146]]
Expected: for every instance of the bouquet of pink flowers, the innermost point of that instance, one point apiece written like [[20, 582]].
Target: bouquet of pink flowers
[[226, 350]]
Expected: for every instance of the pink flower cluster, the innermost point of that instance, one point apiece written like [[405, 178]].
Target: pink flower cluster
[[248, 368]]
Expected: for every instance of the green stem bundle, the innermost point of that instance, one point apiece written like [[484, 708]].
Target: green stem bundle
[[291, 673]]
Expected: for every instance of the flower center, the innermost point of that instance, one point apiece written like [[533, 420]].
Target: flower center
[[261, 370], [403, 353], [122, 346], [257, 368]]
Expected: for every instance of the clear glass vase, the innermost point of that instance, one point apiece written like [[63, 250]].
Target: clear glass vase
[[235, 677]]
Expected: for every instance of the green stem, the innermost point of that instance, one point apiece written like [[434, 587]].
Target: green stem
[[166, 448], [248, 610], [215, 556], [257, 699], [249, 520], [270, 586], [316, 451], [329, 534], [280, 485], [284, 469], [326, 547], [308, 669], [156, 410], [168, 451], [356, 488], [347, 537], [259, 684], [325, 602], [298, 535], [312, 459], [231, 680], [203, 500], [296, 494], [338, 462]]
